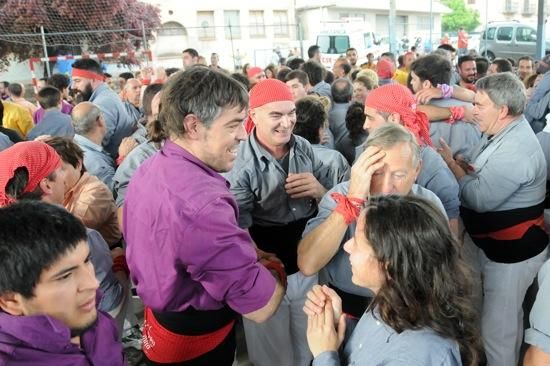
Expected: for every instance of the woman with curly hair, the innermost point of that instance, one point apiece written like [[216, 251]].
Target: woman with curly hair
[[421, 313]]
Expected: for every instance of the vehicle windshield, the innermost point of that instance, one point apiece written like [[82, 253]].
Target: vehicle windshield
[[333, 44]]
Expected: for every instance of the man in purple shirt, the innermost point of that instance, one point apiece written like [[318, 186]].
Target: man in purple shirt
[[48, 292], [194, 268]]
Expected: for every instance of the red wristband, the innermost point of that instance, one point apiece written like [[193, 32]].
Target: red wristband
[[457, 113], [277, 267], [348, 207]]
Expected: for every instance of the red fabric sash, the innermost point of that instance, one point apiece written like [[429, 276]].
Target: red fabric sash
[[513, 232], [163, 346]]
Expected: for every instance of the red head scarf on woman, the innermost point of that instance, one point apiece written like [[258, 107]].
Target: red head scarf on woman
[[395, 98], [39, 158]]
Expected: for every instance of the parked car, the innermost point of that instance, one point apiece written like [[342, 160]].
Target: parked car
[[509, 40]]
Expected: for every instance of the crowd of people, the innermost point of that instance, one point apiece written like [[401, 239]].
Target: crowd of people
[[388, 213]]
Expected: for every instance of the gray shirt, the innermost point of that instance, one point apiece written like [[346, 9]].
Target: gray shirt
[[436, 177], [96, 160], [374, 343], [258, 183], [338, 164], [509, 171], [54, 123], [119, 123], [5, 142], [544, 140], [538, 333], [113, 291], [460, 136], [338, 271], [337, 121], [128, 167]]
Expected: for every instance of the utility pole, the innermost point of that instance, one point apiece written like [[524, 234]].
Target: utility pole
[[391, 24]]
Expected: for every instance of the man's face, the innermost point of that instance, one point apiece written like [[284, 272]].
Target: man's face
[[66, 291], [338, 70], [274, 123], [416, 83], [398, 174], [189, 60], [408, 59], [220, 142], [486, 113], [56, 194], [83, 86], [298, 89], [257, 78], [352, 57], [132, 91], [525, 68], [360, 92], [317, 56], [468, 71], [370, 57], [493, 69], [373, 119], [214, 59]]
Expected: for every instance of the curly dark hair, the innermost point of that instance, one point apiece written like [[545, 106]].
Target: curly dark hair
[[355, 119], [427, 281], [310, 117]]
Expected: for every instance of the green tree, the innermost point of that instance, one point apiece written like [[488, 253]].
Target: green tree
[[460, 17]]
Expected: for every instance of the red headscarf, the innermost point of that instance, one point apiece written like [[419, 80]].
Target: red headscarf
[[253, 71], [267, 91], [39, 158], [395, 98], [384, 69]]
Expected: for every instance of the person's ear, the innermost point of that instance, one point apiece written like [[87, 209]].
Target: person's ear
[[426, 84], [12, 304], [395, 118], [46, 186], [192, 126]]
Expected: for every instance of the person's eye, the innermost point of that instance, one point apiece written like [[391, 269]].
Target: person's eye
[[64, 277]]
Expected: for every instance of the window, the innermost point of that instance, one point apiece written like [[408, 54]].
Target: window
[[525, 34], [257, 28], [490, 34], [280, 23], [335, 45], [205, 20], [471, 2], [232, 22], [172, 29], [505, 34], [423, 23]]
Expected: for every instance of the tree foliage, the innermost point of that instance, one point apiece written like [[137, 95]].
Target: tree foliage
[[73, 26], [461, 16]]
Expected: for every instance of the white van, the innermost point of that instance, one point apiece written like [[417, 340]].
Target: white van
[[337, 36]]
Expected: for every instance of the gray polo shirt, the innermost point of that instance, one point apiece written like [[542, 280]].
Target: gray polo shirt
[[538, 333], [509, 171], [258, 183], [54, 123], [460, 136], [374, 343], [338, 270], [5, 142], [113, 291], [337, 162], [96, 160], [119, 123], [128, 167]]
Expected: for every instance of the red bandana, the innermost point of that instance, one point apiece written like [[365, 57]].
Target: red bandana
[[39, 158]]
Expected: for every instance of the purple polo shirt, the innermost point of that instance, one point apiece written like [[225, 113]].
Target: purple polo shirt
[[185, 247], [66, 108], [42, 340]]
